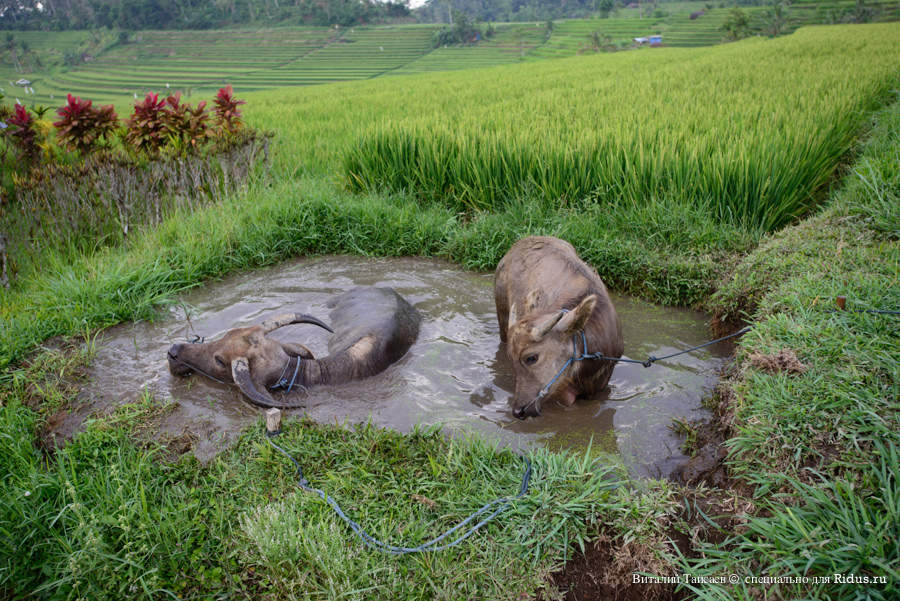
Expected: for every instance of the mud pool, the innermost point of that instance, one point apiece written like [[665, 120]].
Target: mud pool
[[456, 374]]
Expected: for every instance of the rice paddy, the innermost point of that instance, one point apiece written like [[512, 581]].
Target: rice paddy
[[663, 167], [101, 66], [751, 130]]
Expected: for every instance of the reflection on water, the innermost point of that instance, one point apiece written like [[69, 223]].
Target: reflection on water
[[456, 374]]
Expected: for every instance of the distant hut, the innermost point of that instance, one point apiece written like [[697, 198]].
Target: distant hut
[[655, 40]]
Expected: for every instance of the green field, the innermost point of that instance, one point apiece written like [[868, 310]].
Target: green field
[[97, 65], [755, 150], [758, 180]]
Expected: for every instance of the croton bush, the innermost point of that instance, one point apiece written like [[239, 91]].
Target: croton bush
[[157, 126], [82, 126], [89, 177]]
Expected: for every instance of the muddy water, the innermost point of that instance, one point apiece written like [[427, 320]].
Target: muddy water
[[456, 374]]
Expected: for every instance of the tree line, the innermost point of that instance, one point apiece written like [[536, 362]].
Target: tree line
[[206, 14], [441, 11], [192, 14]]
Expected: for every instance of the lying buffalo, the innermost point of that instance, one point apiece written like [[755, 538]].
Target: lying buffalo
[[373, 327], [552, 308]]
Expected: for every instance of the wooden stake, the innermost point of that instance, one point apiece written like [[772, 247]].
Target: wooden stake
[[841, 302], [273, 421]]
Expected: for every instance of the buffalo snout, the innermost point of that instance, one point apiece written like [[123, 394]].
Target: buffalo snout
[[529, 410], [177, 367]]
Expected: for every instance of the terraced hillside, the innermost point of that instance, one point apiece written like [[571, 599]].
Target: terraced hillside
[[511, 43], [190, 61], [49, 51], [107, 69], [677, 28], [361, 53]]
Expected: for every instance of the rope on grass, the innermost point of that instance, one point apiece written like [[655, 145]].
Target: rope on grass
[[497, 505]]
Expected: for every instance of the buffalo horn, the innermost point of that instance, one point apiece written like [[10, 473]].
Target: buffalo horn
[[512, 317], [286, 319], [240, 371]]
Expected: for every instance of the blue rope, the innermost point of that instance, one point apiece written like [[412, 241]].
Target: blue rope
[[651, 359], [432, 545], [875, 311], [586, 355], [282, 381]]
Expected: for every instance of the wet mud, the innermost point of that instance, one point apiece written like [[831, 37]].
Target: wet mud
[[456, 374]]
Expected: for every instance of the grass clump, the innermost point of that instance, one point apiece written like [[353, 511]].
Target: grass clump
[[756, 152], [819, 446], [109, 515]]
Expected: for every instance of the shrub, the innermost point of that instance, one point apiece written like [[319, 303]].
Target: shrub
[[228, 117], [21, 130], [170, 158], [147, 130], [187, 126], [82, 125]]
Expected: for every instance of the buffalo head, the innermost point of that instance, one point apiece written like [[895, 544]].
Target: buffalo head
[[242, 352], [539, 346]]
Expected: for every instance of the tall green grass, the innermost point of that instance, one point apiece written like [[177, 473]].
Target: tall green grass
[[663, 251], [110, 516], [752, 130], [820, 448]]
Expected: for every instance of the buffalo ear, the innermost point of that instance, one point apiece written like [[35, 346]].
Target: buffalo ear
[[544, 325], [295, 349], [577, 318], [240, 371]]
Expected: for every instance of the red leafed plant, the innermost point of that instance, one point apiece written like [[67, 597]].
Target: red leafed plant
[[23, 133], [186, 124], [147, 127], [228, 117], [82, 125]]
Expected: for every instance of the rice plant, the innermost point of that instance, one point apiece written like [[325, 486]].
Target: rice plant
[[752, 130]]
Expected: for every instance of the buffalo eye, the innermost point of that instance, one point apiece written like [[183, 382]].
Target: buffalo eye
[[530, 359], [220, 361]]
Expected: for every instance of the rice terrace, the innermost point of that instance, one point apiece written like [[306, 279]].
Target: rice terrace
[[209, 208]]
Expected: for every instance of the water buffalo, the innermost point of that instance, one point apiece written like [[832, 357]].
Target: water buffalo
[[547, 297], [373, 327]]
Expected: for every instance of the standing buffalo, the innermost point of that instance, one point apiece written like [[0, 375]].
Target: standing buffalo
[[553, 308], [373, 327]]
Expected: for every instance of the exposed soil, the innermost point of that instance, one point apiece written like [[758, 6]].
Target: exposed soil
[[721, 324], [716, 507], [706, 466], [604, 572], [784, 360], [611, 568]]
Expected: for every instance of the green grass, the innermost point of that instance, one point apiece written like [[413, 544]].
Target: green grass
[[820, 448], [111, 516], [756, 151], [789, 284]]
